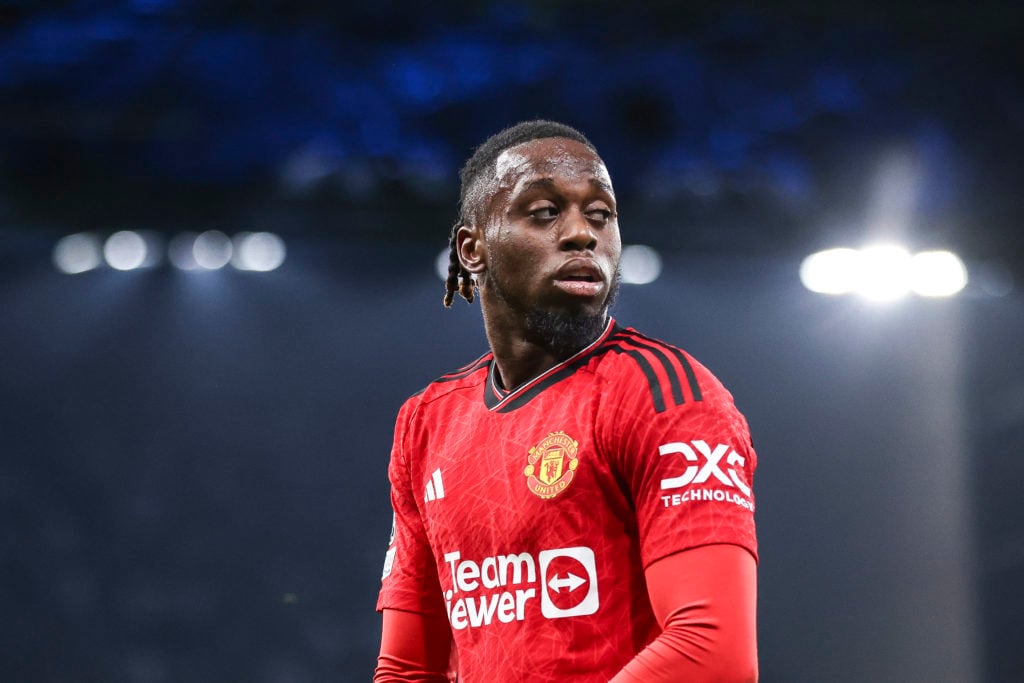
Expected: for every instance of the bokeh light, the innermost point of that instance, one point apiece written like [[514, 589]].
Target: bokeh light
[[125, 250], [257, 251], [833, 271], [885, 274], [212, 250], [937, 273], [77, 253], [640, 264]]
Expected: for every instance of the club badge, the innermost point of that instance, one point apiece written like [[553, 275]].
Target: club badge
[[552, 465]]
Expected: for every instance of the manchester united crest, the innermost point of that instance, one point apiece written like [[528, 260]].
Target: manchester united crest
[[553, 464]]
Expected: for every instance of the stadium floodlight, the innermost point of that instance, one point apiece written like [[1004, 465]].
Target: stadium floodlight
[[937, 273], [77, 253], [832, 271], [885, 274], [257, 251], [640, 264], [212, 250], [125, 250]]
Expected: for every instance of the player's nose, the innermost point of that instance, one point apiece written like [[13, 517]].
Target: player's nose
[[577, 232]]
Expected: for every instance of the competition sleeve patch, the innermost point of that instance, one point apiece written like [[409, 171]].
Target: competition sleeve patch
[[389, 556]]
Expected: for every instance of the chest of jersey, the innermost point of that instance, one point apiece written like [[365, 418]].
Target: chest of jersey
[[523, 512]]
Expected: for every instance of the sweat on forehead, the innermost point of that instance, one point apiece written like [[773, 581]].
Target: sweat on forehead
[[542, 157]]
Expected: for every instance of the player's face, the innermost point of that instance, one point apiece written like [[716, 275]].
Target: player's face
[[552, 234]]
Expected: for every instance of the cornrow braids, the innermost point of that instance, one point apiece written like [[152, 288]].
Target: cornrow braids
[[479, 168], [456, 273]]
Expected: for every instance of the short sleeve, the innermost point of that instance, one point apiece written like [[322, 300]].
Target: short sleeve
[[409, 578], [688, 466]]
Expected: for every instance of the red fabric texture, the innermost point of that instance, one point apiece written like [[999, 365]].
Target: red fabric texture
[[705, 600], [414, 648]]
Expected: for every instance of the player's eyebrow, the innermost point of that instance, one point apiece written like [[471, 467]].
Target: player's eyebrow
[[549, 183], [602, 185], [546, 183]]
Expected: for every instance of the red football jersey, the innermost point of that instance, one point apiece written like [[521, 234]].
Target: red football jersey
[[528, 517]]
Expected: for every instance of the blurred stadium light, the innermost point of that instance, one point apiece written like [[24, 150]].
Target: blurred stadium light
[[212, 250], [257, 251], [640, 264], [832, 271], [129, 250], [883, 272], [77, 253], [937, 273], [441, 263]]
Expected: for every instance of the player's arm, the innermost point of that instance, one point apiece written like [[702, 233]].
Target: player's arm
[[415, 634], [705, 600], [414, 648]]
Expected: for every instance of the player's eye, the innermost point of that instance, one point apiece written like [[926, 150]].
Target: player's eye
[[599, 214], [545, 213]]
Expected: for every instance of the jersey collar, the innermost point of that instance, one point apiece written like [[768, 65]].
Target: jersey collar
[[499, 400]]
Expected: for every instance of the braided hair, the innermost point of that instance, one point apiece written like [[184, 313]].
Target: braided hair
[[479, 168]]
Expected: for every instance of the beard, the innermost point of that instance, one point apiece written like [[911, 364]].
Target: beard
[[564, 333], [561, 331]]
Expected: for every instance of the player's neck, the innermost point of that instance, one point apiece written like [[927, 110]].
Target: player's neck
[[521, 353], [518, 361]]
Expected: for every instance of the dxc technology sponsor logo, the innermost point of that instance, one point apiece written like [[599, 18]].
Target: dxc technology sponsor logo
[[702, 464]]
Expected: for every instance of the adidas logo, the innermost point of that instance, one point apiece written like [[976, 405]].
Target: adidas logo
[[435, 488]]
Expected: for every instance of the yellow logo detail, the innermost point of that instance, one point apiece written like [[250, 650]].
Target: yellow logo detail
[[552, 465]]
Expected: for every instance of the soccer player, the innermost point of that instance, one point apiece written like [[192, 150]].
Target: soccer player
[[575, 504]]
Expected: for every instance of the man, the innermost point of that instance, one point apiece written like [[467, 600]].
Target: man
[[574, 505]]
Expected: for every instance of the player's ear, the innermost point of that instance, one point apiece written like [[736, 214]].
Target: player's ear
[[470, 246]]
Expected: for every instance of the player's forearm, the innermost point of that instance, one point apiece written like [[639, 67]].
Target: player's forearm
[[705, 600], [391, 669], [415, 648], [693, 648]]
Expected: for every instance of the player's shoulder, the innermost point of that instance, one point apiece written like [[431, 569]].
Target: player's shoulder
[[634, 362], [472, 374]]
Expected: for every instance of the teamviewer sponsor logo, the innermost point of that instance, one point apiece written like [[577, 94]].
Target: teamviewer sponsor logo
[[499, 589], [704, 463]]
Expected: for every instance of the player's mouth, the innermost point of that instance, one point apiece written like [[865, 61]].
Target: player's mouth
[[580, 278]]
